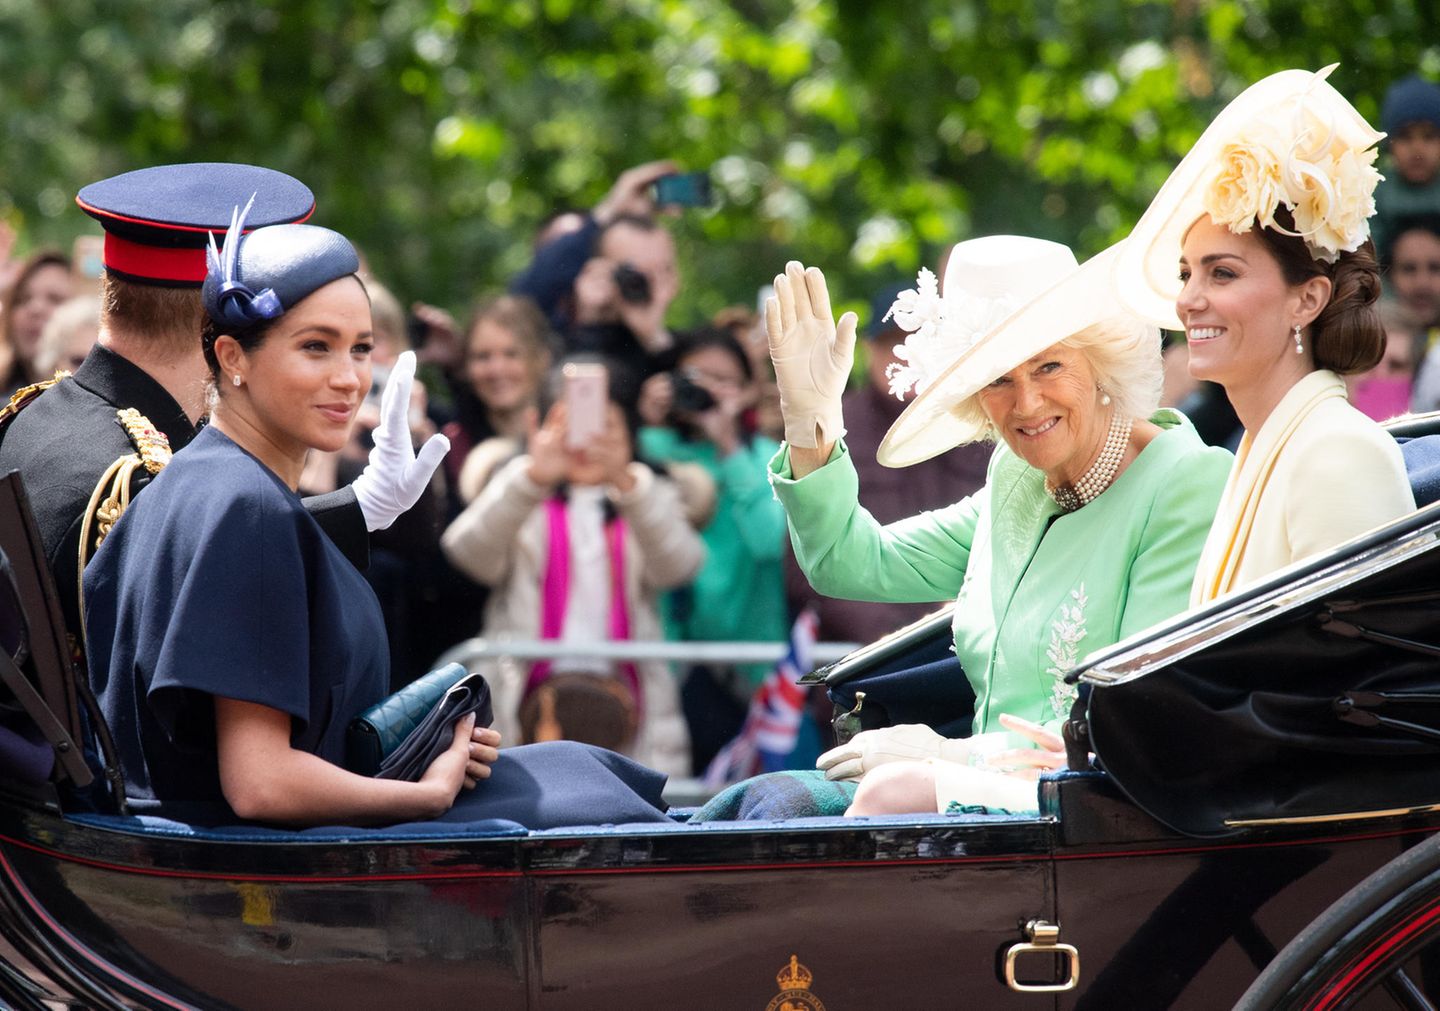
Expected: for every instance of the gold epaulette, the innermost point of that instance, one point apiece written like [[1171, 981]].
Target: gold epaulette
[[151, 442], [113, 492], [26, 394]]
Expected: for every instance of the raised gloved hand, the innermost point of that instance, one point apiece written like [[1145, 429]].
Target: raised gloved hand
[[812, 355], [908, 742], [396, 475]]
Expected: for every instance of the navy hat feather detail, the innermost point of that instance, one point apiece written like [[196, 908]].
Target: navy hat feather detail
[[262, 274], [158, 220]]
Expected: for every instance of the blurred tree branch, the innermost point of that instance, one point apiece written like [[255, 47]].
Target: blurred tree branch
[[858, 136]]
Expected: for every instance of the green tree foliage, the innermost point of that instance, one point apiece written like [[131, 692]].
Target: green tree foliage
[[859, 136]]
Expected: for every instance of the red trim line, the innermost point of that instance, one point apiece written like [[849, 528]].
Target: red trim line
[[1341, 988], [154, 262], [78, 948], [105, 215]]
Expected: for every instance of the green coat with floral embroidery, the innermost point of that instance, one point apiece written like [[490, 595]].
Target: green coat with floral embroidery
[[1036, 589]]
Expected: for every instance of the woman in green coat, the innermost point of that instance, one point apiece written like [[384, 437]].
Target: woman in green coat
[[1087, 530]]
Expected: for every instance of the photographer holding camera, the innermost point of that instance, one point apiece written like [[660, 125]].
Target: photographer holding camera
[[606, 280], [623, 293]]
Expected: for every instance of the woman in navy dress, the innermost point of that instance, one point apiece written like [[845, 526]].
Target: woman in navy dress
[[231, 643]]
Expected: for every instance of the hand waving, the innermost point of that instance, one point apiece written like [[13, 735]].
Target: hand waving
[[812, 355], [396, 475]]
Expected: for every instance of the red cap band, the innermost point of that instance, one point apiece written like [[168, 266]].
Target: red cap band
[[154, 262]]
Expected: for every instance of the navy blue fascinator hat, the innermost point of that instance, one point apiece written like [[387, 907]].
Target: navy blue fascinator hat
[[262, 274]]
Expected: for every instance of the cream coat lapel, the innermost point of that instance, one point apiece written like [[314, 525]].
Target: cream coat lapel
[[1244, 491]]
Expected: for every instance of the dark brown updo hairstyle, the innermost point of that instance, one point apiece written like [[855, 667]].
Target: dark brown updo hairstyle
[[249, 338], [1347, 336]]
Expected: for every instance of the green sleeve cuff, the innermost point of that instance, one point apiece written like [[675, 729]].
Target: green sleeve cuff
[[819, 505], [780, 463]]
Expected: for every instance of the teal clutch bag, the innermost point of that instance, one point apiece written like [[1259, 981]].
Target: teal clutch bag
[[398, 737]]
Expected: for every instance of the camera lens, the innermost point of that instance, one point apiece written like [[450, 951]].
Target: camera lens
[[634, 287], [690, 397]]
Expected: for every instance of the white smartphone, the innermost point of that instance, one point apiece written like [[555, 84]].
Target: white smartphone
[[586, 397]]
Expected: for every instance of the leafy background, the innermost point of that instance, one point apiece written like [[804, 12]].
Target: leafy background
[[859, 136]]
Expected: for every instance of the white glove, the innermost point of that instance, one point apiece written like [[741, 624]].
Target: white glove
[[908, 742], [396, 475], [812, 355]]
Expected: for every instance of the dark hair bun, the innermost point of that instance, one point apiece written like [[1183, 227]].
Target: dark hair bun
[[1347, 335]]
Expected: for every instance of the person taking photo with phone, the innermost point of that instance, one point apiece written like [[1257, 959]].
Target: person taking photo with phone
[[577, 539]]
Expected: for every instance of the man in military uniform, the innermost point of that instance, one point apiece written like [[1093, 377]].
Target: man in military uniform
[[86, 443]]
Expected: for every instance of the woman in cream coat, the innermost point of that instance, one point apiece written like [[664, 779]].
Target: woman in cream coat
[[1275, 286]]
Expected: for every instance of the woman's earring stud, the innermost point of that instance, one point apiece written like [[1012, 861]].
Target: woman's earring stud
[[1299, 345], [237, 380]]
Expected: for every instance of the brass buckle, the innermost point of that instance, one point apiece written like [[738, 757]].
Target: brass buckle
[[1044, 938]]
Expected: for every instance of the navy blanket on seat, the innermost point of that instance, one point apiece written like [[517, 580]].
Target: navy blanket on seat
[[1422, 464]]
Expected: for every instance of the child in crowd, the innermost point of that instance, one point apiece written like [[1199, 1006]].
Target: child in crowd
[[577, 544], [1410, 117]]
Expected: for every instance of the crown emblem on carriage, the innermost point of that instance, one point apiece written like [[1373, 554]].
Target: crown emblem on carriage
[[794, 976]]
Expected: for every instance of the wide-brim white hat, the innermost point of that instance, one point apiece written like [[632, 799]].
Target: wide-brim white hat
[[1073, 300], [1148, 268]]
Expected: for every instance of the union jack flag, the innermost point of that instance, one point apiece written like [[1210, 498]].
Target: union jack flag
[[772, 724]]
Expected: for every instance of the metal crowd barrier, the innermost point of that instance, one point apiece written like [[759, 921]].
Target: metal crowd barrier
[[679, 792], [680, 652]]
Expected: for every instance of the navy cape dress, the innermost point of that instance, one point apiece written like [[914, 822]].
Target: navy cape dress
[[216, 581]]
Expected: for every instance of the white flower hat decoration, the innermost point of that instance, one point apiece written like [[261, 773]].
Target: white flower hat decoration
[[1005, 299]]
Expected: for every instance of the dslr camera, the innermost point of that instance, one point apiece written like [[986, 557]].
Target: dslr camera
[[689, 397], [632, 284]]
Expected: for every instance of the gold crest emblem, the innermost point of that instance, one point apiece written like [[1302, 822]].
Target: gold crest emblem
[[794, 995]]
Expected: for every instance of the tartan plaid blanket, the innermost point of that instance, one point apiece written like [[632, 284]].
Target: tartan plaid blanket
[[796, 793]]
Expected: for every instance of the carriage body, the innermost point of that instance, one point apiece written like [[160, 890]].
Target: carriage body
[[1114, 895], [892, 913]]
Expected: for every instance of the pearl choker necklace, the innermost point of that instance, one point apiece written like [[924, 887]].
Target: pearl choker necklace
[[1101, 473]]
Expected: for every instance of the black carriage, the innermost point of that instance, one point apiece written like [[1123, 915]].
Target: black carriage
[[1260, 758]]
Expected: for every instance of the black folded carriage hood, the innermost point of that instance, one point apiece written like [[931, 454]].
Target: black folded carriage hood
[[1313, 696]]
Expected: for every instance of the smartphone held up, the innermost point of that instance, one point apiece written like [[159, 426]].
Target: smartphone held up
[[683, 189], [586, 397]]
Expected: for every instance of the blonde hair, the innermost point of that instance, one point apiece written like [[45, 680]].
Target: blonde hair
[[387, 317], [68, 319], [1124, 353]]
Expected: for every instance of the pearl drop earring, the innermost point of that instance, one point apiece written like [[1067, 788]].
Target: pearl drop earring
[[1104, 397], [1299, 346]]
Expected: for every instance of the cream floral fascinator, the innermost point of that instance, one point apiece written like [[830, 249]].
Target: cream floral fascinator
[[1290, 139]]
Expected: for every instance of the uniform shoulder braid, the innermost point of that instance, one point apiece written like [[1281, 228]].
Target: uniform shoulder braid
[[119, 484], [26, 395]]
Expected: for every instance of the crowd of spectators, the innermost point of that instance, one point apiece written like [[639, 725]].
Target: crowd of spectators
[[657, 520]]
